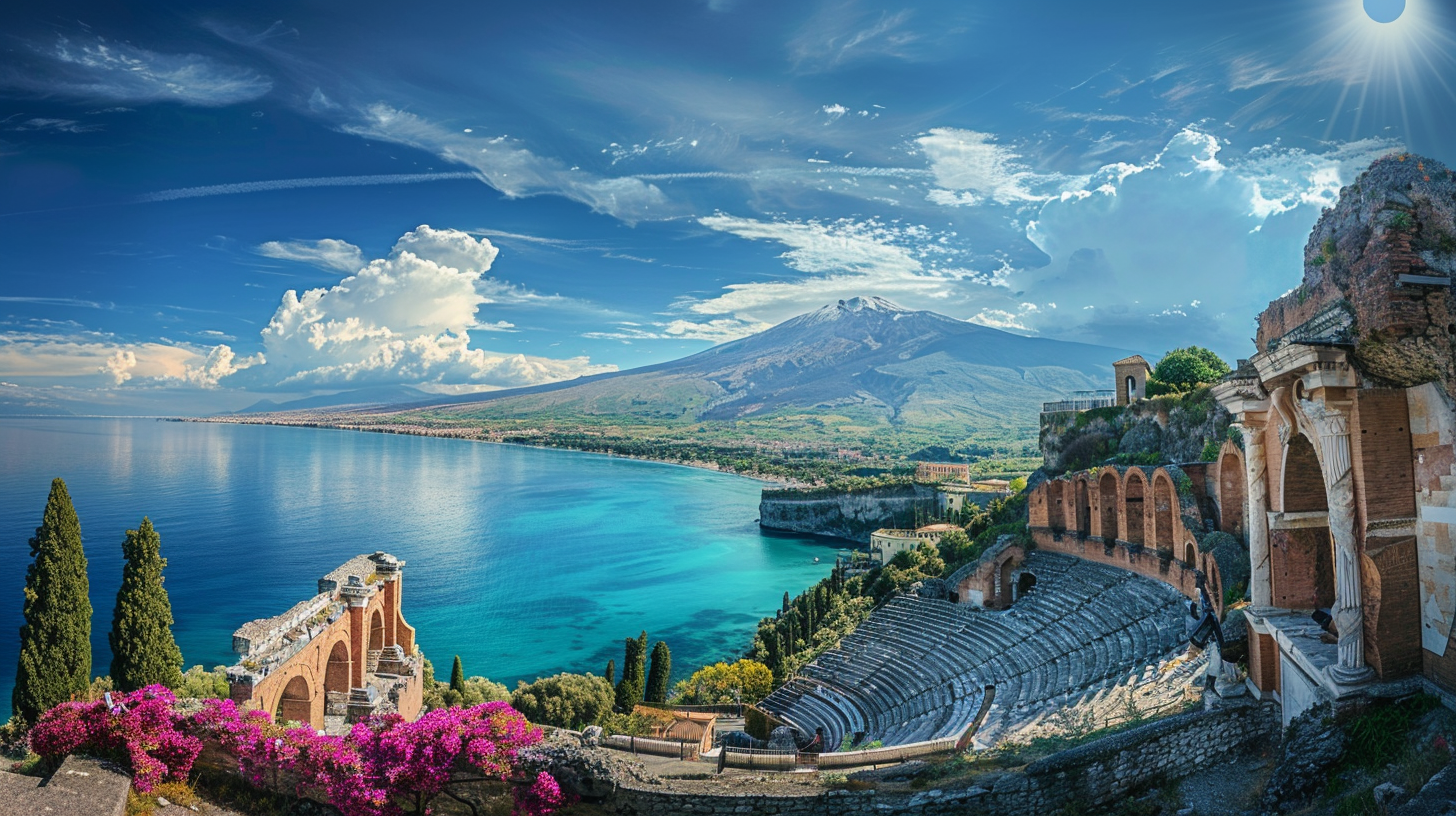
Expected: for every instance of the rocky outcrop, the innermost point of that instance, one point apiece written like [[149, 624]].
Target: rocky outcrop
[[848, 514], [1153, 431], [1312, 746], [1377, 275]]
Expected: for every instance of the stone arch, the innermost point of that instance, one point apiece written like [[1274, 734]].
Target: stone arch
[[1056, 495], [1024, 584], [1302, 483], [1134, 490], [1083, 507], [296, 701], [1004, 567], [1231, 489], [336, 670], [1108, 503], [1165, 500], [376, 630], [1190, 554]]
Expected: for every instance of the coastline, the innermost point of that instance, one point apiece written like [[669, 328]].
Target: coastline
[[472, 436]]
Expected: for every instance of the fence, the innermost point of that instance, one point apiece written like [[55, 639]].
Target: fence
[[728, 709], [654, 747], [755, 759], [1081, 401]]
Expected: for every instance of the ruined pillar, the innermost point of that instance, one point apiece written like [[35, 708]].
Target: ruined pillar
[[1256, 476], [1332, 422], [356, 595]]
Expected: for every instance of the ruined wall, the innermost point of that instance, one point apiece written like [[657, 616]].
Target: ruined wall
[[1142, 560], [1096, 776], [851, 515]]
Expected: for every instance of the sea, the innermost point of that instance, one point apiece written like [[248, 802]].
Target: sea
[[523, 561]]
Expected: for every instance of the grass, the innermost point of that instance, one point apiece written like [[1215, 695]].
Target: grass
[[176, 793]]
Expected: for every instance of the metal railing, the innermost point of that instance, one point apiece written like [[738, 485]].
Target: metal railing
[[1081, 401]]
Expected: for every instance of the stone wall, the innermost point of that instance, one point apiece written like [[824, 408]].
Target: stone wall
[[1141, 560], [851, 515], [1096, 775]]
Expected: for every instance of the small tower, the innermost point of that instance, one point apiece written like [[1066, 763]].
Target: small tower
[[1132, 378]]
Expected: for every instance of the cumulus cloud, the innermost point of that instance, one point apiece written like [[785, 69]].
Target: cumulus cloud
[[402, 318], [119, 365], [327, 253], [718, 330], [220, 362], [94, 358], [96, 68]]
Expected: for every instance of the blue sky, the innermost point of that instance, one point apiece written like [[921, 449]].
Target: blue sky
[[205, 204]]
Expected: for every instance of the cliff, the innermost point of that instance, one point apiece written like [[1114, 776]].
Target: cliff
[[1377, 276], [1161, 430], [851, 514]]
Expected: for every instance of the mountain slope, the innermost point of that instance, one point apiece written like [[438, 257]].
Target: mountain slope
[[867, 362], [360, 398]]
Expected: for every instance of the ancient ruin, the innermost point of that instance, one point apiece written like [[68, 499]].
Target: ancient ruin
[[1349, 434], [337, 657]]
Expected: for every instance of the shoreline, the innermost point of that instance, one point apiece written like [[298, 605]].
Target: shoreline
[[445, 433]]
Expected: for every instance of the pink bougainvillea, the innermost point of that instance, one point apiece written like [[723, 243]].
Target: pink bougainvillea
[[142, 725], [384, 766]]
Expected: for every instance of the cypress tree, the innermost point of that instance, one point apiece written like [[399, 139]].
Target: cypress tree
[[457, 676], [629, 689], [55, 640], [143, 650], [661, 670], [611, 674], [786, 603], [641, 665]]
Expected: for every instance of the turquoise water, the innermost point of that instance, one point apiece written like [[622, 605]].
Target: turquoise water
[[523, 561]]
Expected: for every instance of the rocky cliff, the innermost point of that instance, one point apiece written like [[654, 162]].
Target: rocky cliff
[[1377, 276], [851, 515], [1162, 430]]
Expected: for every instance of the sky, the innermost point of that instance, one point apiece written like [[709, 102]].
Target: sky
[[207, 204]]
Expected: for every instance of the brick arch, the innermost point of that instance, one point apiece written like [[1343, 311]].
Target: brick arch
[[1302, 483], [376, 628], [1083, 506], [1164, 513], [337, 667], [296, 701], [1109, 504], [1232, 485], [1134, 501]]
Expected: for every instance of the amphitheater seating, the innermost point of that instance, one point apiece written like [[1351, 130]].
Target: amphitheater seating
[[917, 668]]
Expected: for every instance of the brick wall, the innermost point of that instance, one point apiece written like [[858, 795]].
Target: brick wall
[[1301, 568], [1303, 483], [1263, 660], [1392, 606], [1143, 561], [1381, 450]]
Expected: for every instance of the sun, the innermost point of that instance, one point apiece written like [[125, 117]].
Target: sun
[[1384, 11]]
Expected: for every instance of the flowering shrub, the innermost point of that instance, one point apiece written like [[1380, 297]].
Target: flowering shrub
[[141, 725], [384, 764]]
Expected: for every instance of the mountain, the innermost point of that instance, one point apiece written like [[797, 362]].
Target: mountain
[[360, 398], [866, 362]]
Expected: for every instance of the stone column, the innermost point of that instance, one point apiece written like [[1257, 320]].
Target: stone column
[[1256, 489], [1332, 423], [356, 595]]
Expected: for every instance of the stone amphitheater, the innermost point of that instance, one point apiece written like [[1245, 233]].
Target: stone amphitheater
[[921, 669]]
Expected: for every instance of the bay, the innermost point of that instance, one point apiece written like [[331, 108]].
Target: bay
[[524, 561]]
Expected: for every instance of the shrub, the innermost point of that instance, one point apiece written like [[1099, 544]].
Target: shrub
[[140, 725], [565, 700], [1185, 368], [716, 684]]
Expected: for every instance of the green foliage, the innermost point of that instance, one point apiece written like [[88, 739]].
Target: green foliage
[[1402, 221], [611, 673], [1359, 803], [55, 640], [1185, 368], [142, 647], [1018, 484], [641, 722], [906, 568], [716, 684], [810, 624], [472, 691], [1378, 734], [657, 678], [1210, 451], [564, 700], [200, 684], [957, 548], [757, 724], [457, 676], [634, 675]]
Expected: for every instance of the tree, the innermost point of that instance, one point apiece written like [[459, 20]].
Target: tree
[[457, 676], [143, 651], [631, 687], [657, 679], [55, 640], [564, 700], [718, 684], [611, 674], [1185, 368]]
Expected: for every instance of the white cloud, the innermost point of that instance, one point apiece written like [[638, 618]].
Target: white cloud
[[119, 365], [971, 161], [718, 330], [402, 318], [93, 358], [95, 68], [220, 362], [843, 32], [328, 253], [514, 170]]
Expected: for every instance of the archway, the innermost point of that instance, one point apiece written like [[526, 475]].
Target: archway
[[1231, 487], [1133, 502], [1163, 502], [1084, 509], [296, 703], [1303, 488], [1107, 501], [1131, 388], [336, 676], [1024, 584], [1056, 505], [1301, 552], [376, 631], [1190, 554]]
